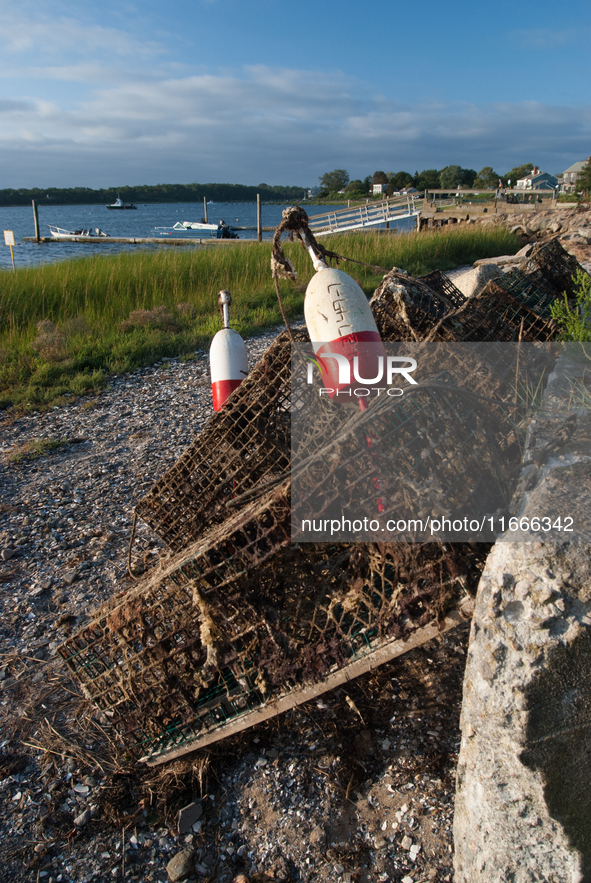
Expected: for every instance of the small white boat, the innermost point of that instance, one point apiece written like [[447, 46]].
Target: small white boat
[[60, 233], [195, 225], [189, 228], [119, 204]]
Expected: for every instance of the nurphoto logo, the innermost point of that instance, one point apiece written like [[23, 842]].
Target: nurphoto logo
[[387, 368]]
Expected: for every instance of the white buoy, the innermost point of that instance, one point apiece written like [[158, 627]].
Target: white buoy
[[340, 323], [228, 362]]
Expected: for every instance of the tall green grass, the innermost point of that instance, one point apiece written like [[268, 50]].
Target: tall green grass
[[65, 326]]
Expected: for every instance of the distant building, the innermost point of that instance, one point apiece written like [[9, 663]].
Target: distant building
[[377, 189], [569, 178], [313, 192], [537, 180]]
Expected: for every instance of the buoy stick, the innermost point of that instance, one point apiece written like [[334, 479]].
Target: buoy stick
[[224, 301], [319, 263]]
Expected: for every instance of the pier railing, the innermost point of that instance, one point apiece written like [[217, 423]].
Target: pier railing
[[362, 216]]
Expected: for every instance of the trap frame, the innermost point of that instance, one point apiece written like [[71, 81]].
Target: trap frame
[[240, 624], [243, 624]]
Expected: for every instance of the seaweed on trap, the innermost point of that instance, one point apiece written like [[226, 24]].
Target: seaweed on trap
[[240, 617]]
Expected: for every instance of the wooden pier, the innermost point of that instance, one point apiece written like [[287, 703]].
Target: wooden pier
[[143, 240]]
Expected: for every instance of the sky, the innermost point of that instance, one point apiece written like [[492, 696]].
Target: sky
[[279, 92]]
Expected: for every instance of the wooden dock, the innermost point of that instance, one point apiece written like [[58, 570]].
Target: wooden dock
[[143, 240]]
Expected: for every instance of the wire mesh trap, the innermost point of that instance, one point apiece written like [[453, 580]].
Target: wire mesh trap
[[533, 290], [409, 309], [243, 445], [556, 265], [241, 623], [439, 451], [244, 625], [494, 315], [442, 284]]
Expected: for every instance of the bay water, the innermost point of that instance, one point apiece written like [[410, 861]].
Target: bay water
[[129, 223]]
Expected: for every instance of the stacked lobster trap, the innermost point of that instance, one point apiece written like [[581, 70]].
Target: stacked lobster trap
[[240, 623]]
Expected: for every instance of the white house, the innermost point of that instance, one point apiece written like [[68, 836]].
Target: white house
[[377, 189]]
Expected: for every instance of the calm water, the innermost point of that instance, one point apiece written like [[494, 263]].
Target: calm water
[[123, 223]]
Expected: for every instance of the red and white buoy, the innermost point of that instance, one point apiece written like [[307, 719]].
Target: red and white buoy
[[228, 362], [341, 324]]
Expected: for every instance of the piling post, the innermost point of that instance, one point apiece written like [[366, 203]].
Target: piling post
[[36, 219], [205, 209], [259, 221]]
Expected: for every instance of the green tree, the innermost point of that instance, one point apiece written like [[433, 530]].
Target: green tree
[[487, 177], [584, 181], [334, 181], [516, 173], [356, 186], [456, 176], [380, 178], [402, 179], [428, 179]]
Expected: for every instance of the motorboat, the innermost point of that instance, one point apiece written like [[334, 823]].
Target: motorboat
[[119, 204], [60, 233], [188, 228], [195, 225], [179, 231]]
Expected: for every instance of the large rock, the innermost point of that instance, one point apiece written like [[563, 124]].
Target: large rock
[[523, 803], [473, 281]]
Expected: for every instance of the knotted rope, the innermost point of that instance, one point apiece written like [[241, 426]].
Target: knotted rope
[[296, 222]]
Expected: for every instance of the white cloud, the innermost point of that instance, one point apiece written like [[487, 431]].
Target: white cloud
[[280, 126], [33, 31]]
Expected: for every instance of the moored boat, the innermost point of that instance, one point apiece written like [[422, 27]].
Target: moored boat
[[188, 228], [60, 233], [119, 204]]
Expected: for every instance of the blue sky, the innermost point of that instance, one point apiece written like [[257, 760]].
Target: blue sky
[[252, 91]]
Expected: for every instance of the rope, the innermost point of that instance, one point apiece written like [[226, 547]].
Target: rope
[[295, 221]]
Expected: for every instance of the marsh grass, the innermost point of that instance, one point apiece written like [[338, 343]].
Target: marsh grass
[[65, 326]]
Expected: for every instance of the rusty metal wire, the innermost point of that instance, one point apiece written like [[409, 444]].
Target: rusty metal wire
[[241, 616], [408, 309], [242, 446], [556, 265], [494, 315], [442, 284], [244, 617], [439, 449], [533, 290]]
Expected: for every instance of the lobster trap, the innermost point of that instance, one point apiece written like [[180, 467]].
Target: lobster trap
[[495, 315], [555, 264], [245, 444], [409, 309], [241, 623], [442, 284], [394, 470], [244, 625], [533, 290]]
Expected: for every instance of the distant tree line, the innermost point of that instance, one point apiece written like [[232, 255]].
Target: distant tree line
[[448, 178], [151, 193]]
